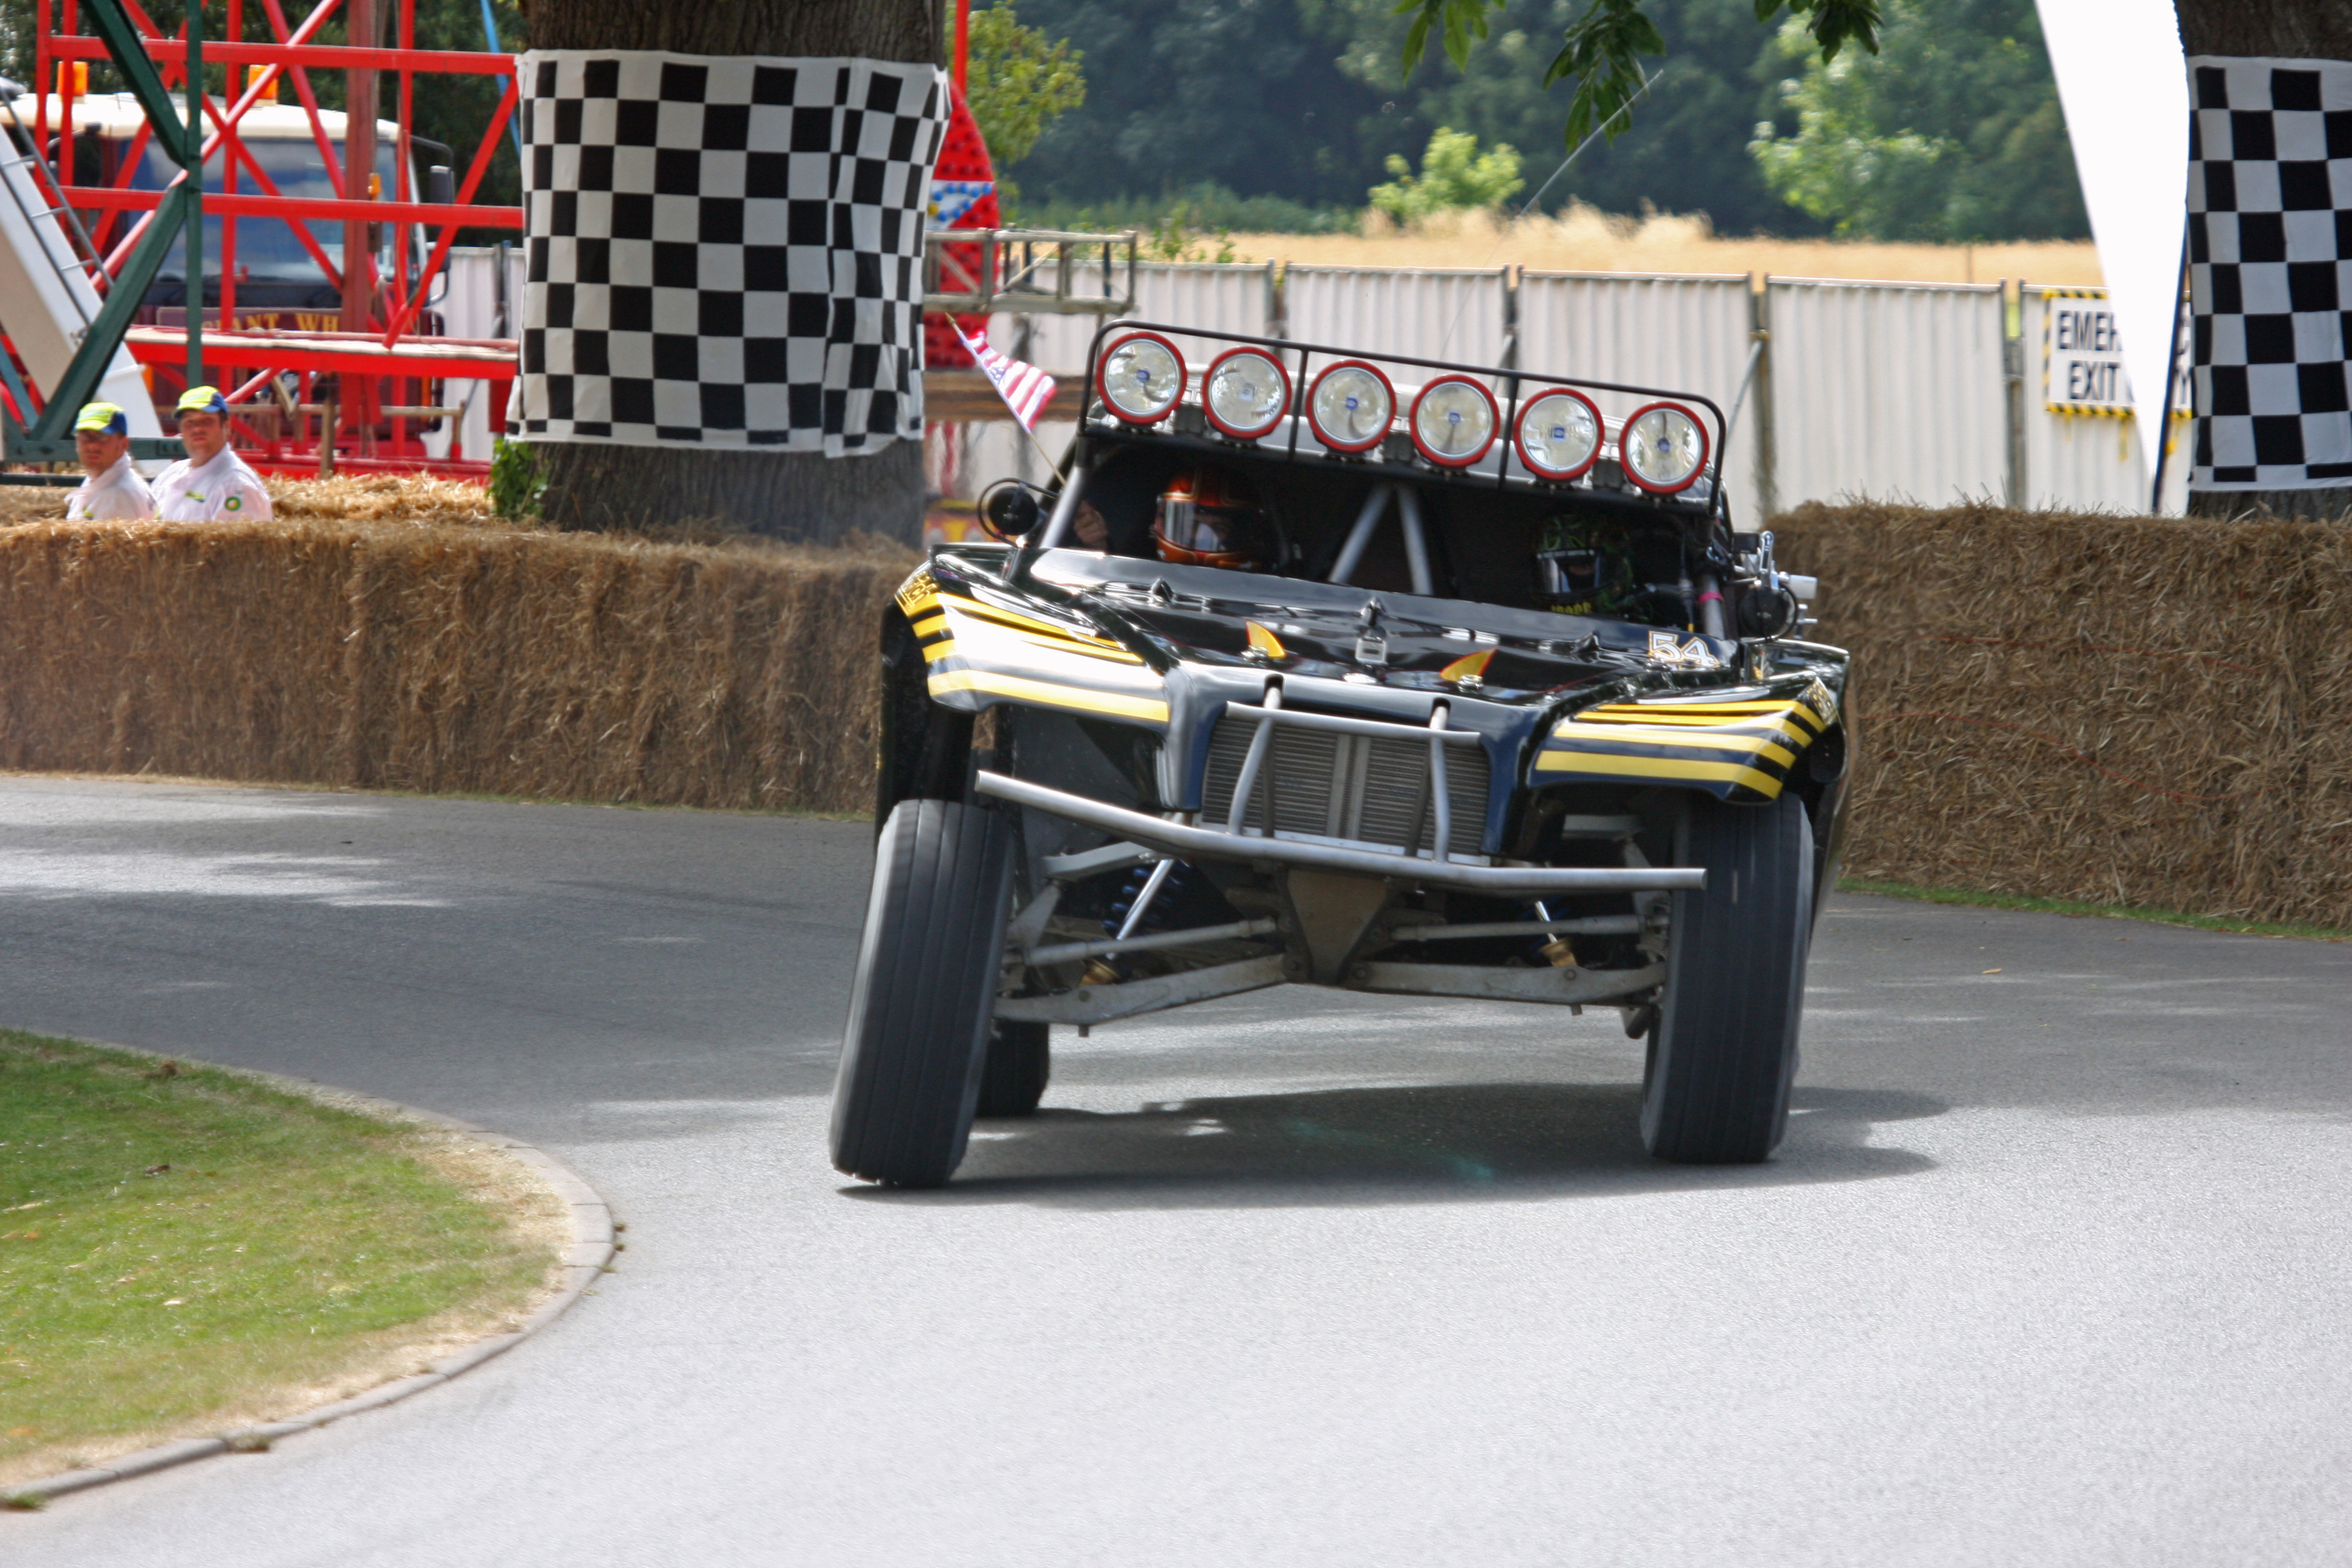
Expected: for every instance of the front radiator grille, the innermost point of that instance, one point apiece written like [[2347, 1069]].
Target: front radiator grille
[[1348, 786]]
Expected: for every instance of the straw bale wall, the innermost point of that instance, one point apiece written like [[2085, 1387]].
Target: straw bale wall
[[2131, 709], [445, 657], [2143, 710]]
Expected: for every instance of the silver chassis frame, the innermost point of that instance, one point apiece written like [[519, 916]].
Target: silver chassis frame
[[1188, 843], [1089, 1004]]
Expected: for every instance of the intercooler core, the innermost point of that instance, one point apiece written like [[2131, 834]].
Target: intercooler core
[[1357, 788]]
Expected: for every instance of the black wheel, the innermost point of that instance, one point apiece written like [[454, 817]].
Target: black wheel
[[1723, 1049], [1019, 1061], [923, 991]]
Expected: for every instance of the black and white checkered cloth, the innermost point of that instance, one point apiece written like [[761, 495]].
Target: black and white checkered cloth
[[2270, 278], [726, 251]]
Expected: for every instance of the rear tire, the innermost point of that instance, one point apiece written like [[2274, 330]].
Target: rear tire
[[922, 992], [1020, 1059], [1724, 1051]]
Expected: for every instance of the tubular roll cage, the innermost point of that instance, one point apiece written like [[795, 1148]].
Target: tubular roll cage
[[1515, 381], [122, 266]]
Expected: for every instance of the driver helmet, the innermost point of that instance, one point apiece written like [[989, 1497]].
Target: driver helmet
[[1583, 568], [1207, 517]]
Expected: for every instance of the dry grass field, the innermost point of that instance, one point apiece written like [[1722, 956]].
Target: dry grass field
[[1586, 240]]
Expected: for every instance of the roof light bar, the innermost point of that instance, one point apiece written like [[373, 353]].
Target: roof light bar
[[1559, 436], [1455, 421], [1140, 378], [1350, 406], [1245, 393], [1661, 447]]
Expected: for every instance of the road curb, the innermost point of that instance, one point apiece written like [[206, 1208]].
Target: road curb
[[589, 1253]]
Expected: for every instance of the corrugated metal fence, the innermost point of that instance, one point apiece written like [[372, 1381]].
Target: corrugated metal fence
[[1886, 391]]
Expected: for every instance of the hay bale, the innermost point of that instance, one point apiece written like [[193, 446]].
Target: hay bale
[[2146, 710], [440, 655]]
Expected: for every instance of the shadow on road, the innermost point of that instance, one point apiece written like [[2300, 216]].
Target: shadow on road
[[1447, 1142]]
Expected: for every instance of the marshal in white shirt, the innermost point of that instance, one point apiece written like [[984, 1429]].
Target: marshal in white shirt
[[208, 492], [118, 495]]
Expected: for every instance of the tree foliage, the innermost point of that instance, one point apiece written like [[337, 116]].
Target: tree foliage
[[1952, 133], [1600, 50], [1019, 83], [1239, 93], [1454, 175]]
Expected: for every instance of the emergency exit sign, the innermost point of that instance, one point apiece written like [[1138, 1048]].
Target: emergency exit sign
[[2083, 356]]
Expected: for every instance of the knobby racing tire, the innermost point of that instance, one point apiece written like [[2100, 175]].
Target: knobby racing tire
[[1020, 1059], [1724, 1051], [924, 988]]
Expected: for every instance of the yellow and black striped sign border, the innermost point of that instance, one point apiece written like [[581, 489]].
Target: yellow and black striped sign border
[[1741, 750], [950, 627]]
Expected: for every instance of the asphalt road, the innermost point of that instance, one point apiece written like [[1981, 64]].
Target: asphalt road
[[2053, 1268]]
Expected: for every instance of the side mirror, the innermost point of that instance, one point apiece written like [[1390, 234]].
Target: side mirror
[[440, 185], [1009, 509]]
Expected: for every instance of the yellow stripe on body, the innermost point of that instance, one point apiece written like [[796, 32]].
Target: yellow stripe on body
[[1149, 709], [982, 629], [1760, 727], [937, 622], [1018, 621], [1754, 746], [1610, 765], [1722, 714]]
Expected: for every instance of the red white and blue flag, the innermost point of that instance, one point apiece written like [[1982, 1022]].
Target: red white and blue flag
[[1024, 388]]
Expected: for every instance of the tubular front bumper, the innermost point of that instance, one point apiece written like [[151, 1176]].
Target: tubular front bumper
[[1211, 844]]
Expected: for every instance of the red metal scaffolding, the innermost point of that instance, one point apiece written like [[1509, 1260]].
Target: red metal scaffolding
[[351, 397]]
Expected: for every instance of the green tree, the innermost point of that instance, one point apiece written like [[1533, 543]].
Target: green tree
[[1951, 133], [1686, 150], [1019, 83], [1601, 50], [1454, 175]]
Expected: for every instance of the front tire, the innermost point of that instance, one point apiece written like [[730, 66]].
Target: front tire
[[922, 993], [1020, 1059], [1724, 1051]]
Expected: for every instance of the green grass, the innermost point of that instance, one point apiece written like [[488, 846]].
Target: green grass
[[2080, 907], [183, 1244]]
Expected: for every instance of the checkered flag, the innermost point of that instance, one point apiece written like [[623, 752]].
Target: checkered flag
[[2270, 276], [726, 251], [1024, 388]]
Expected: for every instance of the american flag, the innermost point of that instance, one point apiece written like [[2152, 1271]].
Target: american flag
[[1024, 388]]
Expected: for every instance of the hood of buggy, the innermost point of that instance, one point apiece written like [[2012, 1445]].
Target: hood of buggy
[[1555, 698]]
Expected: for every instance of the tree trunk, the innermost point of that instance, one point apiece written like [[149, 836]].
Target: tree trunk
[[2278, 29], [789, 495]]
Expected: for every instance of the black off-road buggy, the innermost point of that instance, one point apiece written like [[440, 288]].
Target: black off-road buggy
[[1504, 709]]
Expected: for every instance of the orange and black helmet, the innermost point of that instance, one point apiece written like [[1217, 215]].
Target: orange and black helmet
[[1207, 517]]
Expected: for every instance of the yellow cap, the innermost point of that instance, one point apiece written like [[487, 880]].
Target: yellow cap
[[203, 400], [104, 416]]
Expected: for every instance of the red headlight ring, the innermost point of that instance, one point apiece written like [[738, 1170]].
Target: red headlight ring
[[1102, 368], [1705, 450], [1600, 433], [1412, 423], [1315, 425], [1236, 431]]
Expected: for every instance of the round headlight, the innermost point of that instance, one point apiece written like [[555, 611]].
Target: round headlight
[[1453, 421], [1141, 378], [1663, 448], [1559, 434], [1245, 393], [1350, 406]]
